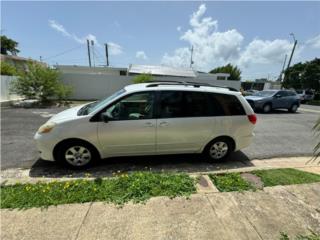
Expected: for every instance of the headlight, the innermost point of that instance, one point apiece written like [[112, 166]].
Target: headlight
[[47, 127]]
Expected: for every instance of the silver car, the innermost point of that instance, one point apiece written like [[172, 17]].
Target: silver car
[[274, 99]]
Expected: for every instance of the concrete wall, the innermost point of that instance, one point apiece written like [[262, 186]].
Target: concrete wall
[[97, 86], [5, 86]]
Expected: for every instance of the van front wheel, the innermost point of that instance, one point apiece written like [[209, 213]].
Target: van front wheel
[[77, 154], [219, 149]]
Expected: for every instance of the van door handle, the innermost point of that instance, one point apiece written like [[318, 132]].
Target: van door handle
[[148, 124], [163, 124]]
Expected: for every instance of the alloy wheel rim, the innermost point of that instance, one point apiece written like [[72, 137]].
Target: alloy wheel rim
[[218, 150], [78, 156]]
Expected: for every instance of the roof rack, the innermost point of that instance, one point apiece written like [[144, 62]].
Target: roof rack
[[187, 83]]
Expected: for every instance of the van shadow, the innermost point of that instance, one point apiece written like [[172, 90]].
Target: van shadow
[[189, 163]]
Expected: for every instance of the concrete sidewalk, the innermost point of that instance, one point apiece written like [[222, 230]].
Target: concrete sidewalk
[[249, 215]]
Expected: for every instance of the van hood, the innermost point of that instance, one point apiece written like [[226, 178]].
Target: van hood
[[65, 115]]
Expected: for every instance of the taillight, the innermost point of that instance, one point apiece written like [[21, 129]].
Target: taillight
[[252, 118]]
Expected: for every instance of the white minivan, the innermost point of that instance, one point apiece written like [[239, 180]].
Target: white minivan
[[150, 119]]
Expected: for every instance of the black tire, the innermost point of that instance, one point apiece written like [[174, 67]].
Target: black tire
[[267, 108], [293, 108], [209, 153], [88, 155]]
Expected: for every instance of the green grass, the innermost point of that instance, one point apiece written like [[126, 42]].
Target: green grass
[[285, 176], [229, 182], [136, 187]]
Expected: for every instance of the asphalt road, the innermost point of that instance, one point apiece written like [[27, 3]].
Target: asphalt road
[[277, 134]]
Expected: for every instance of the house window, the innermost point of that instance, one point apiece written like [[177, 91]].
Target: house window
[[221, 78], [123, 73]]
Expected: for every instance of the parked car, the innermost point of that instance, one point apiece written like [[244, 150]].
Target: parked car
[[305, 95], [274, 99], [150, 119], [249, 92]]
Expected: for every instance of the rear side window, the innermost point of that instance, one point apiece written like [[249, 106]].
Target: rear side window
[[225, 105], [196, 104], [175, 104], [290, 93]]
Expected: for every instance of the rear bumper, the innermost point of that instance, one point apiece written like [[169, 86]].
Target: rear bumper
[[243, 141]]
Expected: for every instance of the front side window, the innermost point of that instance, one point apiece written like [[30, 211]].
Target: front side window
[[134, 107]]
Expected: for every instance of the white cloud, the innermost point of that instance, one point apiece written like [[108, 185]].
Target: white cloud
[[314, 42], [141, 55], [179, 28], [114, 49], [211, 48], [264, 52], [214, 48]]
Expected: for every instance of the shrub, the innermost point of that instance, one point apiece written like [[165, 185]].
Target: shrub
[[7, 69], [40, 82], [143, 78]]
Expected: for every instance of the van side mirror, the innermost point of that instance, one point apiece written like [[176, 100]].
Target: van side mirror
[[277, 96], [106, 117]]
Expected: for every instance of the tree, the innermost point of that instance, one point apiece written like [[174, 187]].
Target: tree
[[303, 75], [7, 69], [234, 71], [40, 82], [142, 78], [8, 45]]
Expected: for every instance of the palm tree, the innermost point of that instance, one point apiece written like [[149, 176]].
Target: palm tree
[[316, 129]]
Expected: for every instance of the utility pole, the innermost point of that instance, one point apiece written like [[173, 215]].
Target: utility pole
[[89, 56], [93, 57], [283, 66], [294, 47], [191, 61], [107, 54]]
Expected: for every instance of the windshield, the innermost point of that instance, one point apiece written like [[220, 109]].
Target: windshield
[[91, 107], [264, 93]]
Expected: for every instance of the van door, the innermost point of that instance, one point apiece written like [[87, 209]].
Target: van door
[[183, 124], [131, 127]]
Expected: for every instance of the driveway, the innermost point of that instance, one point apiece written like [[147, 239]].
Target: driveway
[[277, 134]]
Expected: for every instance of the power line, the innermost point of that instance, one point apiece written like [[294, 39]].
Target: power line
[[62, 53]]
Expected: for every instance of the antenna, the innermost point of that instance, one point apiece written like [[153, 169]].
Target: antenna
[[107, 54], [92, 45], [89, 56], [191, 61]]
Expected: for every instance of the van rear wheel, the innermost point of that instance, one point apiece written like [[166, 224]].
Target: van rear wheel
[[219, 149]]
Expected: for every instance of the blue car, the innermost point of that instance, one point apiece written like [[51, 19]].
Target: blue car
[[274, 99]]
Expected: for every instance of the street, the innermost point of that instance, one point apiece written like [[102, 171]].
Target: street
[[277, 134]]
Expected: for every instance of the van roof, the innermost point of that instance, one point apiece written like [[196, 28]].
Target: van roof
[[185, 86]]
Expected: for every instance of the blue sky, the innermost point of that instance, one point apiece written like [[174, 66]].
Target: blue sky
[[253, 35]]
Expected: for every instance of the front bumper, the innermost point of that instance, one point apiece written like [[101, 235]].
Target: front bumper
[[45, 146]]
